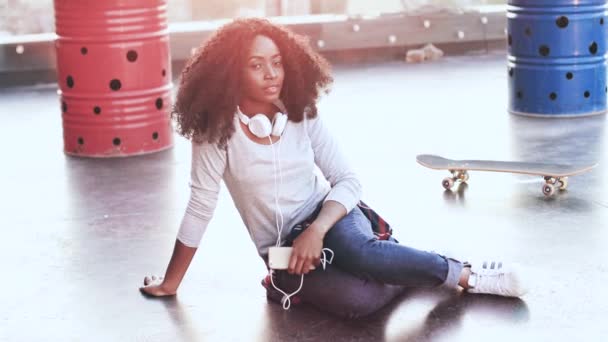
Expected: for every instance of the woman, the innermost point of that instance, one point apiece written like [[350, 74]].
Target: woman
[[247, 100]]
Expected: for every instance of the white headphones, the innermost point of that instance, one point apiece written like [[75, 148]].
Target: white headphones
[[261, 127]]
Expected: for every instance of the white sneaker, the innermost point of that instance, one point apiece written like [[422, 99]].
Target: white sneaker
[[496, 279]]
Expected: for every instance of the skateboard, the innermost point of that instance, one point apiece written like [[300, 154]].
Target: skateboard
[[555, 175]]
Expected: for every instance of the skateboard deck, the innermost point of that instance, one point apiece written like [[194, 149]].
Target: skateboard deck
[[555, 175]]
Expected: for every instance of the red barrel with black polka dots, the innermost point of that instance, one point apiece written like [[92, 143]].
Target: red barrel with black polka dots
[[114, 76]]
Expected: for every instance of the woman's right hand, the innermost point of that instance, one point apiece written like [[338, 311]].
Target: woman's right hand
[[155, 287]]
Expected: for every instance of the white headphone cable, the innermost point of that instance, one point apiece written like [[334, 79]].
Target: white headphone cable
[[286, 300], [280, 174]]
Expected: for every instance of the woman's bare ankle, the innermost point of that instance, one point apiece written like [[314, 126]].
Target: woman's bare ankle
[[464, 277]]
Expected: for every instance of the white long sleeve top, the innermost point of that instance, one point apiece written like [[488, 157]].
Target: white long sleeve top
[[249, 170]]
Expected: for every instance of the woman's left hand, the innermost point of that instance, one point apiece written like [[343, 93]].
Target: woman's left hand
[[306, 252]]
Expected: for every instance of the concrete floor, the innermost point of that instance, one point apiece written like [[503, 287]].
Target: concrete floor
[[79, 235]]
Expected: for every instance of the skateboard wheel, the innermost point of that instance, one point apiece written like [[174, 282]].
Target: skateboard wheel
[[448, 183], [563, 183], [464, 177], [548, 190]]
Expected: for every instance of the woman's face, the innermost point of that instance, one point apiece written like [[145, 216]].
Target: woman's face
[[264, 72]]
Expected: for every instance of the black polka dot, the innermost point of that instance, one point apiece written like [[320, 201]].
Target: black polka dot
[[562, 22], [70, 82], [544, 50], [520, 94], [84, 50], [115, 84], [602, 21], [569, 75], [155, 135], [553, 96], [132, 56], [80, 141], [510, 40], [64, 106], [159, 103], [97, 110], [587, 94], [510, 72], [593, 48], [116, 141]]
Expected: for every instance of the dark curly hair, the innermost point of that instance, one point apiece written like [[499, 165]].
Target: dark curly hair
[[211, 84]]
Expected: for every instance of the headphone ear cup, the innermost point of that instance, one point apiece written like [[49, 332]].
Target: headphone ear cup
[[279, 123], [260, 126]]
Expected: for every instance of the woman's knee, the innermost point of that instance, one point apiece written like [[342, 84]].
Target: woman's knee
[[355, 312], [360, 302]]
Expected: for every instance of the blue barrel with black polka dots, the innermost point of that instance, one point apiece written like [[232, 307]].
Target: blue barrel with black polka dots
[[557, 57]]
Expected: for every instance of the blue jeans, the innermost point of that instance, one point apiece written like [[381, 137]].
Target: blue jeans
[[367, 273]]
